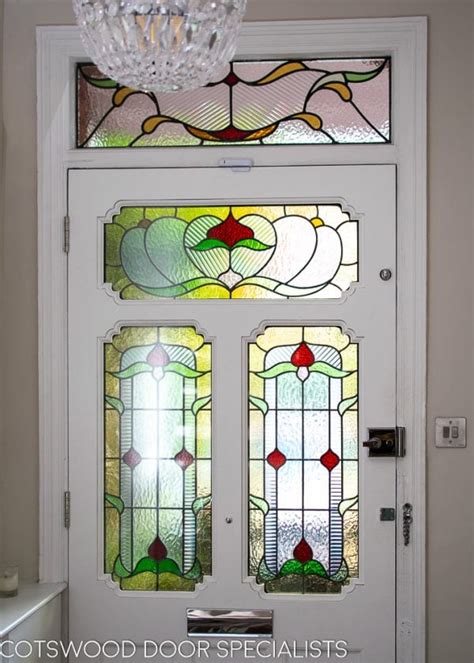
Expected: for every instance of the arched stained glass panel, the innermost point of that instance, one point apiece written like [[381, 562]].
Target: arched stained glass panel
[[303, 459]]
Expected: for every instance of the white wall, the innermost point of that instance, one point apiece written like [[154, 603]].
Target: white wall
[[2, 172], [451, 375]]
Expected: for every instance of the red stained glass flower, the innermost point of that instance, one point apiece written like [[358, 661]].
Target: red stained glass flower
[[184, 459], [276, 459], [157, 550], [158, 357], [330, 460], [302, 356], [303, 553], [230, 232], [132, 458]]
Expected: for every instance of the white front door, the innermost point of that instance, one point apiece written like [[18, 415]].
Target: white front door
[[230, 343]]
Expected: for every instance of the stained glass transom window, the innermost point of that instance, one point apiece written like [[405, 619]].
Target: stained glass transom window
[[253, 252], [292, 102], [157, 425], [303, 460]]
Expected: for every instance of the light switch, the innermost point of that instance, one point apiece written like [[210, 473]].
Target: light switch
[[450, 432]]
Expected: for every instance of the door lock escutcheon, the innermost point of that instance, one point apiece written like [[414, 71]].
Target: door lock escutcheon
[[386, 442]]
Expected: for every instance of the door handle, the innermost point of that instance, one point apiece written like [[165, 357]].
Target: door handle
[[386, 442], [373, 443]]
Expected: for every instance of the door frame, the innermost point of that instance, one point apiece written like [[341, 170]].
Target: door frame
[[405, 39]]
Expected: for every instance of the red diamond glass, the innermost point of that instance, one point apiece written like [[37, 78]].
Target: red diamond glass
[[276, 459], [132, 458], [330, 460], [184, 459]]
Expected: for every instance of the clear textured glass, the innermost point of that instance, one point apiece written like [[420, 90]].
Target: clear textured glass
[[293, 102], [303, 490], [157, 430], [253, 252], [160, 45]]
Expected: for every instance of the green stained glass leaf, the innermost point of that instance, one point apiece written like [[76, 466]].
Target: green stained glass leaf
[[346, 404], [208, 244], [183, 370], [200, 503], [362, 77], [259, 403], [105, 83], [314, 568], [260, 503], [198, 405], [115, 501], [119, 569], [345, 505], [264, 573], [116, 403], [134, 369], [162, 566], [291, 567], [147, 564], [327, 369], [279, 369], [342, 574], [195, 573]]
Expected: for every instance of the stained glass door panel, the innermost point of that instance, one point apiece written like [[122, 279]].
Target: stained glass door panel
[[231, 252], [303, 460], [288, 518], [157, 458]]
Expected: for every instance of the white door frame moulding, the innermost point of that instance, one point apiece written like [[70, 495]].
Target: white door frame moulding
[[405, 39]]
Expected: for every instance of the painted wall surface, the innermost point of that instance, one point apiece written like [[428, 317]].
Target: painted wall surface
[[451, 375], [2, 172]]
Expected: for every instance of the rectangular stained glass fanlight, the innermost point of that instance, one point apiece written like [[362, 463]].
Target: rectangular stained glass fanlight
[[284, 102], [303, 460], [237, 252], [157, 458]]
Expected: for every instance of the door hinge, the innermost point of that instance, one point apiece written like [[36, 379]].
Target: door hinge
[[67, 509], [237, 165], [66, 234]]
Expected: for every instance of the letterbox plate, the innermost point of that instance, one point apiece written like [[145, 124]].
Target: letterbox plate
[[230, 623]]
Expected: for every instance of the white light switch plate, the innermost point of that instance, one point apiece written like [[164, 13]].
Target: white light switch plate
[[450, 432]]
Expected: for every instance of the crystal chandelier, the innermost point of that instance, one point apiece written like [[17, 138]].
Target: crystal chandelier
[[160, 45]]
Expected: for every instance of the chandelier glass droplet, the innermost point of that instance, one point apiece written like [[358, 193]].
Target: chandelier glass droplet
[[160, 45]]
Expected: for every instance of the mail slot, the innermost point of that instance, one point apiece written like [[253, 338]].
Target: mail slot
[[235, 623]]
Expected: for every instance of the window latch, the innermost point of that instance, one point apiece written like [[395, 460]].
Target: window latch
[[237, 165]]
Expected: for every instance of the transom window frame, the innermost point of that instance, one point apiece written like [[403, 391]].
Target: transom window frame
[[59, 49]]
